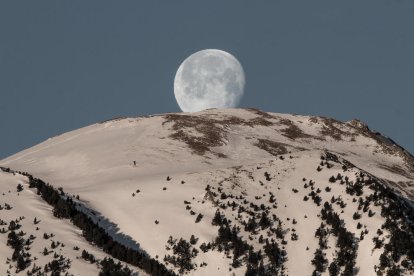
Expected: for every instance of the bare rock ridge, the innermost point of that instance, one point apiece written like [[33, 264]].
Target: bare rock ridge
[[204, 132], [217, 192]]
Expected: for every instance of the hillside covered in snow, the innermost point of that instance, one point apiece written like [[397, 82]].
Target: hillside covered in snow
[[218, 192]]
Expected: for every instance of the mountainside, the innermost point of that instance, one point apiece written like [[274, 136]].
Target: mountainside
[[224, 192]]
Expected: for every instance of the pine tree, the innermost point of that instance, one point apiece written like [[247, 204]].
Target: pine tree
[[217, 220], [19, 188]]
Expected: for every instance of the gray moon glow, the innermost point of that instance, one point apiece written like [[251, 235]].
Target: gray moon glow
[[209, 79]]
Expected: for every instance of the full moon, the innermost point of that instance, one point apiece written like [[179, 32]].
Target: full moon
[[209, 79]]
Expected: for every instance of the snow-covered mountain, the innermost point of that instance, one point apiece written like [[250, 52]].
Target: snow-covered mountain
[[219, 192]]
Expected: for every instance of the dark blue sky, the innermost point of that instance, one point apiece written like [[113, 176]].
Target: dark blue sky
[[68, 64]]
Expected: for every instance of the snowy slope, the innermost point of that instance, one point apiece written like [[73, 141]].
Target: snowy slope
[[152, 177], [36, 218]]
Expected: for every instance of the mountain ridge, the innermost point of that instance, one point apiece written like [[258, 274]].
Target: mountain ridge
[[246, 165]]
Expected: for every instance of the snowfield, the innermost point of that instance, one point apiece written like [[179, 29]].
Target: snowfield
[[236, 180], [26, 206]]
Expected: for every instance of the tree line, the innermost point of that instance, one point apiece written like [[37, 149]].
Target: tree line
[[66, 208]]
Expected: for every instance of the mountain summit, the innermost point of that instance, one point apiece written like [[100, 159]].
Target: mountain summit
[[217, 192]]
